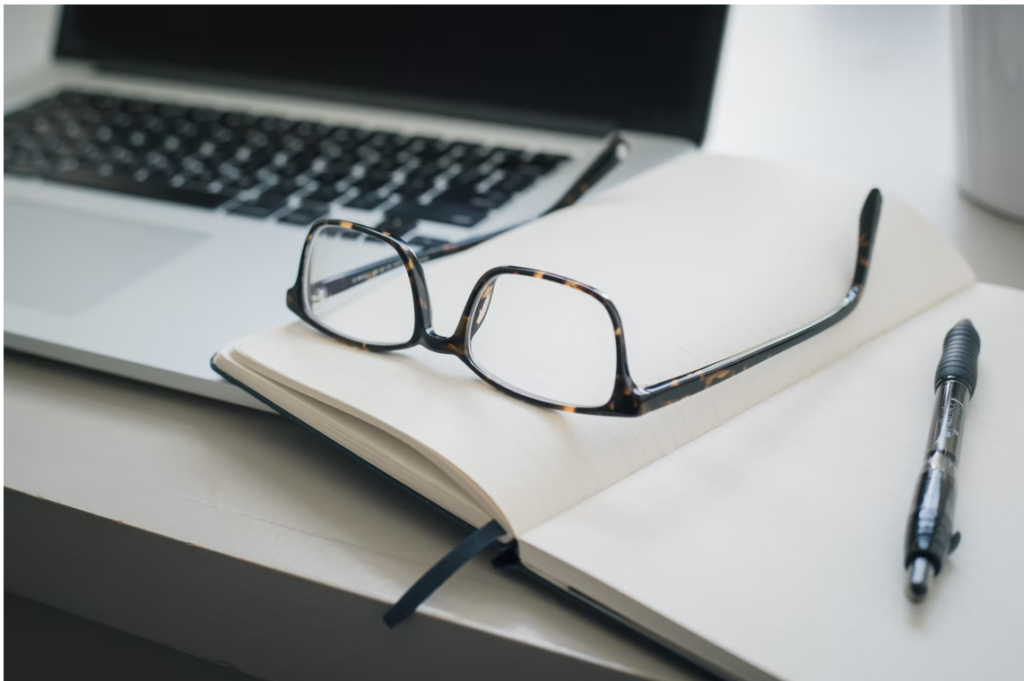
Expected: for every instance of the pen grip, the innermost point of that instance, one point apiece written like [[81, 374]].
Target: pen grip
[[930, 528], [960, 356]]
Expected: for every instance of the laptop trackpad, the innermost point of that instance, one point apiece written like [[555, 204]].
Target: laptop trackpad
[[66, 262]]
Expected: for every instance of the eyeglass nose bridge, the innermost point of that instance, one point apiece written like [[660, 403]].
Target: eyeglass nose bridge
[[469, 323]]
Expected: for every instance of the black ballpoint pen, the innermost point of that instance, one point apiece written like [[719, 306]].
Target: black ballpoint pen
[[930, 536]]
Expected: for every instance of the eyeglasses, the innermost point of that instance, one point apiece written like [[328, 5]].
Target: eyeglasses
[[537, 336]]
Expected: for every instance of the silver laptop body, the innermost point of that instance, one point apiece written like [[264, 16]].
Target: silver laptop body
[[149, 289]]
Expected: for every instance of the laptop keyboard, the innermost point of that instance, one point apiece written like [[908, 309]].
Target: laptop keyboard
[[260, 166]]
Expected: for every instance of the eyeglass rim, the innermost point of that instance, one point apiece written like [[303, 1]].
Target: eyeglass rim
[[628, 398], [458, 343], [300, 291]]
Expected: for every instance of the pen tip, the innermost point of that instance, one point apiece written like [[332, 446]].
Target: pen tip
[[919, 576], [965, 322]]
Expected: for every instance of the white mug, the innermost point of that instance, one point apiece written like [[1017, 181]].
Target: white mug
[[988, 59]]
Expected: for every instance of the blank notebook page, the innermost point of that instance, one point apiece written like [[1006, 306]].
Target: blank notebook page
[[704, 257], [779, 536]]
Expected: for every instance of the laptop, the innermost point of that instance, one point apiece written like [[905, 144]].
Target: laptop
[[162, 170]]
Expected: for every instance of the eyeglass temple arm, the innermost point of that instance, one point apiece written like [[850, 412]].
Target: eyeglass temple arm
[[615, 150], [667, 392]]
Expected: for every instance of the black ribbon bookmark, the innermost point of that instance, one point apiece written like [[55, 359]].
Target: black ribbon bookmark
[[439, 574]]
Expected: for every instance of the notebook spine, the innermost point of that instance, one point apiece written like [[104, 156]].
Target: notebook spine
[[506, 561]]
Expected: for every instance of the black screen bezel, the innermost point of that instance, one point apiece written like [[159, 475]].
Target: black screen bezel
[[690, 124]]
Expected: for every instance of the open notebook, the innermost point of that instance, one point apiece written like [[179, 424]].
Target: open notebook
[[757, 526]]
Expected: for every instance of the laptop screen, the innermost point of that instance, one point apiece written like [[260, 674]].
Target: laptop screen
[[642, 68]]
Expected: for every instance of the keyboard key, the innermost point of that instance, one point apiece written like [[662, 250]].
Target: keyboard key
[[384, 167], [427, 171], [154, 124], [203, 115], [379, 173], [160, 192], [168, 110], [122, 121], [289, 185], [387, 142], [460, 215], [338, 168], [330, 149], [138, 140], [187, 129], [397, 224], [256, 139], [547, 161], [516, 182], [366, 201], [238, 120], [469, 178], [488, 201], [475, 155], [253, 210], [302, 216], [371, 184], [228, 169], [324, 194], [270, 124], [509, 160], [491, 200], [314, 206], [300, 165], [224, 135], [268, 175], [272, 198], [201, 177], [253, 166], [414, 188], [346, 134], [227, 190], [427, 148], [197, 186], [103, 102], [240, 183], [426, 242], [327, 178], [311, 131], [73, 98], [531, 169], [462, 150]]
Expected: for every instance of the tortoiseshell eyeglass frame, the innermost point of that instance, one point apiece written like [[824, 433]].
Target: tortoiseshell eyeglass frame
[[628, 398]]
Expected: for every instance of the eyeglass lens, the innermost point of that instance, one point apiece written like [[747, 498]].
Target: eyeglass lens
[[544, 338], [380, 310]]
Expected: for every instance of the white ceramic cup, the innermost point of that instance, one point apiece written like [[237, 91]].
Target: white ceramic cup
[[988, 59]]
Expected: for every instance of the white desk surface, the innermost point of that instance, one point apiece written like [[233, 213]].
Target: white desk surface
[[237, 506]]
